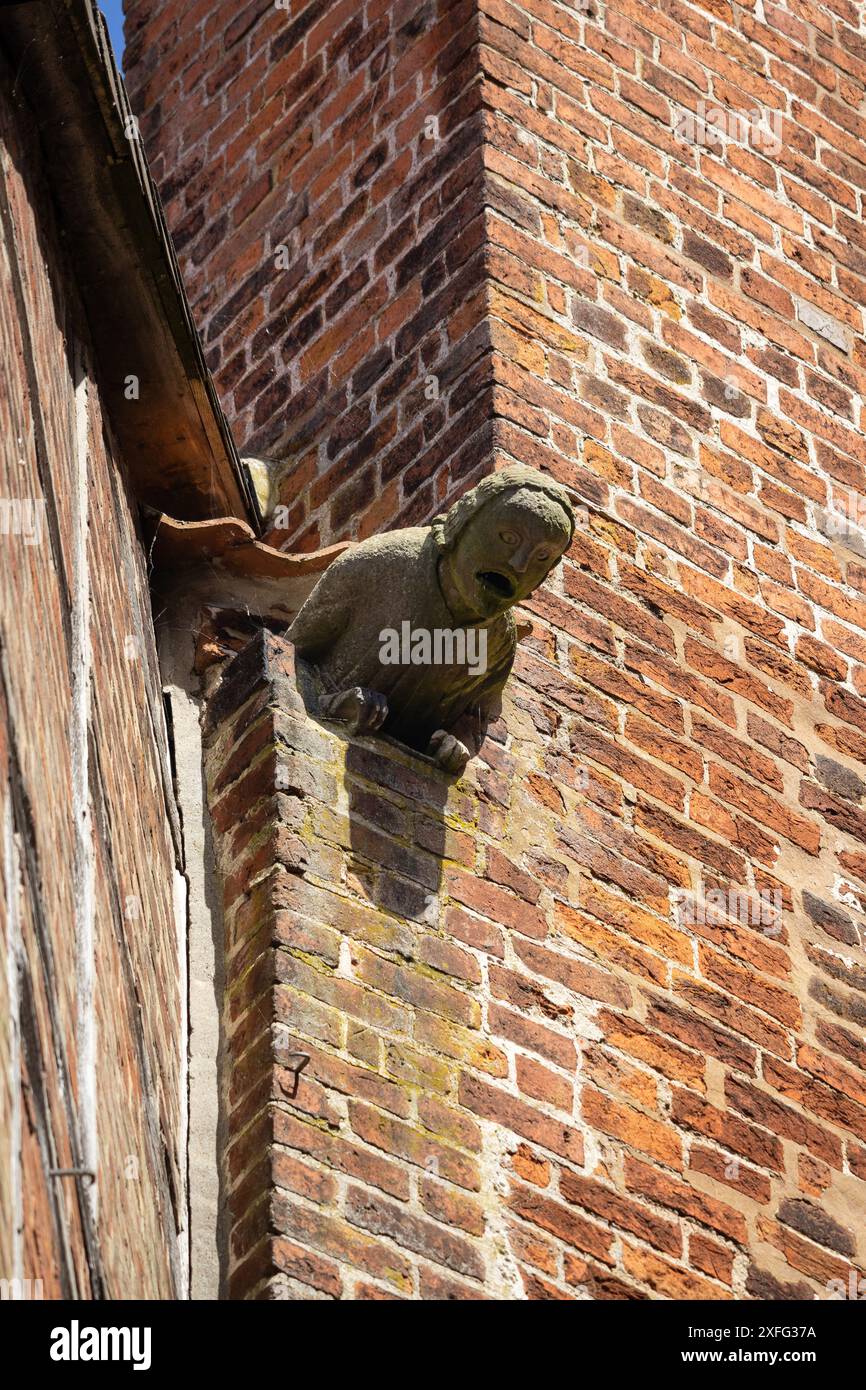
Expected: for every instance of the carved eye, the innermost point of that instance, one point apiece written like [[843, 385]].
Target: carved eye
[[543, 555], [509, 537]]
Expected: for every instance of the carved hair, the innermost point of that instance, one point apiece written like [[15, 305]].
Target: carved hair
[[447, 527]]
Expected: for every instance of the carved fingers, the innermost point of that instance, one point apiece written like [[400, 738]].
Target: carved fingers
[[449, 752], [376, 709], [361, 710]]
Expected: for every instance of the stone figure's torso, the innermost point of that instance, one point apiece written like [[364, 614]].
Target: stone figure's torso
[[381, 584]]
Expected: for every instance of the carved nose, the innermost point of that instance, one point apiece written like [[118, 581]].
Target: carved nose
[[520, 559]]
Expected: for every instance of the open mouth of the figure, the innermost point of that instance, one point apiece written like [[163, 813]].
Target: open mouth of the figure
[[496, 583]]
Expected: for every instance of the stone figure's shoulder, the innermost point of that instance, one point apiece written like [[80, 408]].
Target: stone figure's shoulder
[[360, 586], [378, 556]]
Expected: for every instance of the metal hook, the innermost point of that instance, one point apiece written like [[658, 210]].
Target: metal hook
[[72, 1173]]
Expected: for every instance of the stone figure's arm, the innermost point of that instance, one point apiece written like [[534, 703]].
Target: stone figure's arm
[[321, 622], [323, 618], [453, 747]]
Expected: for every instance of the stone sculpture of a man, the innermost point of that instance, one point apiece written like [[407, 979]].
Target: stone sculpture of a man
[[410, 632]]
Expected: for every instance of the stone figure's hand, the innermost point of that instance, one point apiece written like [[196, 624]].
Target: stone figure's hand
[[449, 752], [361, 710]]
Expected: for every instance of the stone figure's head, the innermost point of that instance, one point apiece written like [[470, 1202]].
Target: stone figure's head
[[502, 539]]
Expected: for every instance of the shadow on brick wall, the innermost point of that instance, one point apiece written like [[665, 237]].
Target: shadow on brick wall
[[396, 798]]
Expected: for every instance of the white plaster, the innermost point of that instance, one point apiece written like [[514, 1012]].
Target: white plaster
[[11, 876], [199, 924], [84, 887], [181, 911]]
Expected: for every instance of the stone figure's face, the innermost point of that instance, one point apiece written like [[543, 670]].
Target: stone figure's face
[[506, 551]]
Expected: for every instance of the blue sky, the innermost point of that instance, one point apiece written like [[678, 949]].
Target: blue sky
[[113, 11]]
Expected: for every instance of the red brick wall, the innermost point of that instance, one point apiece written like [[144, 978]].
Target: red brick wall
[[114, 866], [321, 168], [470, 1052], [674, 1105]]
